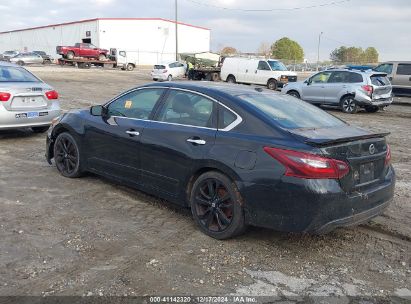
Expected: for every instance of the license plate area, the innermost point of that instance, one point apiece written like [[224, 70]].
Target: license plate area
[[367, 172], [28, 102], [31, 115]]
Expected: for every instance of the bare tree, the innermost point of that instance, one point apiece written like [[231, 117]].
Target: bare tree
[[264, 49]]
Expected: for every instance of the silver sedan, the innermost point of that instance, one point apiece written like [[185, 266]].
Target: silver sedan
[[25, 100], [27, 58]]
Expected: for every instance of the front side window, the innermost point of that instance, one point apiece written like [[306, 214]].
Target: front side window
[[321, 77], [137, 104], [263, 66], [187, 108], [291, 113], [404, 69], [15, 74], [385, 68]]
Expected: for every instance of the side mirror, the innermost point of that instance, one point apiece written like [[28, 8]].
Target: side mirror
[[308, 81], [97, 110]]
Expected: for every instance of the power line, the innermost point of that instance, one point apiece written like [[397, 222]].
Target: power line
[[268, 10]]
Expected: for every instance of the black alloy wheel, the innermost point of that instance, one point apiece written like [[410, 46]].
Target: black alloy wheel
[[67, 155], [216, 207]]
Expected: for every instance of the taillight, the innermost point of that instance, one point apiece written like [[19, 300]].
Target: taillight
[[368, 89], [4, 96], [307, 165], [388, 156], [165, 71], [52, 95]]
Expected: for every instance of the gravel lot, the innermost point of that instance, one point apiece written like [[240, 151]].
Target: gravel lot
[[89, 236]]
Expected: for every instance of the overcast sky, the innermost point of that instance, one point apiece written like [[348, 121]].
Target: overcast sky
[[383, 24]]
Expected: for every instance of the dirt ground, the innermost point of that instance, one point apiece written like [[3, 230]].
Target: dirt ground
[[89, 236]]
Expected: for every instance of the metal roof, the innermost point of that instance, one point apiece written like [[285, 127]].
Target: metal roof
[[98, 19]]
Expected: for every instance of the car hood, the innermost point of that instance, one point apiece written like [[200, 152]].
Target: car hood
[[328, 136]]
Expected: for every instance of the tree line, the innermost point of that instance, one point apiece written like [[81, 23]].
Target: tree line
[[290, 50]]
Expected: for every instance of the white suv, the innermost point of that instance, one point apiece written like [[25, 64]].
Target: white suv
[[168, 71], [347, 89]]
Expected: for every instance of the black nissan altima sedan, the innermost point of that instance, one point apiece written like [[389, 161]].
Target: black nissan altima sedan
[[236, 155]]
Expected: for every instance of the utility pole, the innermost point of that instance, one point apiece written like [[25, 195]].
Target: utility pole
[[176, 8], [318, 53]]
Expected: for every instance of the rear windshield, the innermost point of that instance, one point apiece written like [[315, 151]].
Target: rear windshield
[[16, 74], [291, 113], [277, 65], [159, 67], [379, 80]]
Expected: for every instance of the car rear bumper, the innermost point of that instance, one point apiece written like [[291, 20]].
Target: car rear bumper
[[314, 206], [8, 119], [159, 76]]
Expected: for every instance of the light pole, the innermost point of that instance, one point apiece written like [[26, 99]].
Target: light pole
[[176, 30], [318, 52]]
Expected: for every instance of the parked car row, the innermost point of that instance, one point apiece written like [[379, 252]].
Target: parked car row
[[24, 58]]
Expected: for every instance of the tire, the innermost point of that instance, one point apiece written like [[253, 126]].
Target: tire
[[231, 79], [39, 129], [294, 94], [70, 55], [215, 77], [348, 105], [20, 63], [101, 57], [216, 206], [372, 109], [169, 78], [130, 67], [67, 155], [272, 84]]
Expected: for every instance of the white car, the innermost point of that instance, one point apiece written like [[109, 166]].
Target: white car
[[168, 71], [271, 73]]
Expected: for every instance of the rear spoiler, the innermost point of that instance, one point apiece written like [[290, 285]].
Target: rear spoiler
[[327, 142]]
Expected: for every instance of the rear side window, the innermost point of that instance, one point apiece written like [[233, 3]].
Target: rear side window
[[385, 68], [13, 74], [187, 108], [355, 78], [159, 67], [290, 113], [340, 77], [404, 69], [379, 80], [225, 117], [137, 104]]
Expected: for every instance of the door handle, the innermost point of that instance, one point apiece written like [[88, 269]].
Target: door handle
[[133, 133], [196, 141]]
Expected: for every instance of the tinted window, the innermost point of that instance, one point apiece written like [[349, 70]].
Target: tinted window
[[262, 65], [385, 68], [137, 104], [339, 77], [277, 65], [13, 74], [225, 117], [379, 80], [404, 69], [355, 78], [187, 109], [159, 67], [291, 113], [321, 77]]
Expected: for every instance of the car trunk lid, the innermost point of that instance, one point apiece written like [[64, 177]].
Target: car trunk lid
[[25, 96], [381, 86], [364, 151]]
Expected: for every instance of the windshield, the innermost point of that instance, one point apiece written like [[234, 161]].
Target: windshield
[[291, 113], [277, 65], [16, 74]]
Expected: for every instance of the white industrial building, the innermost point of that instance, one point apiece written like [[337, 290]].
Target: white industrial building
[[153, 38]]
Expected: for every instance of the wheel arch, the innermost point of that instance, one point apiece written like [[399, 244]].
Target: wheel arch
[[230, 75], [347, 94], [60, 128], [220, 168]]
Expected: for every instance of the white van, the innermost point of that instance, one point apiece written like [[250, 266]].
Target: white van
[[126, 60], [271, 73]]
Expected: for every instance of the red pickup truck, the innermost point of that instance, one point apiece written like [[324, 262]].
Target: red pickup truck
[[82, 50]]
